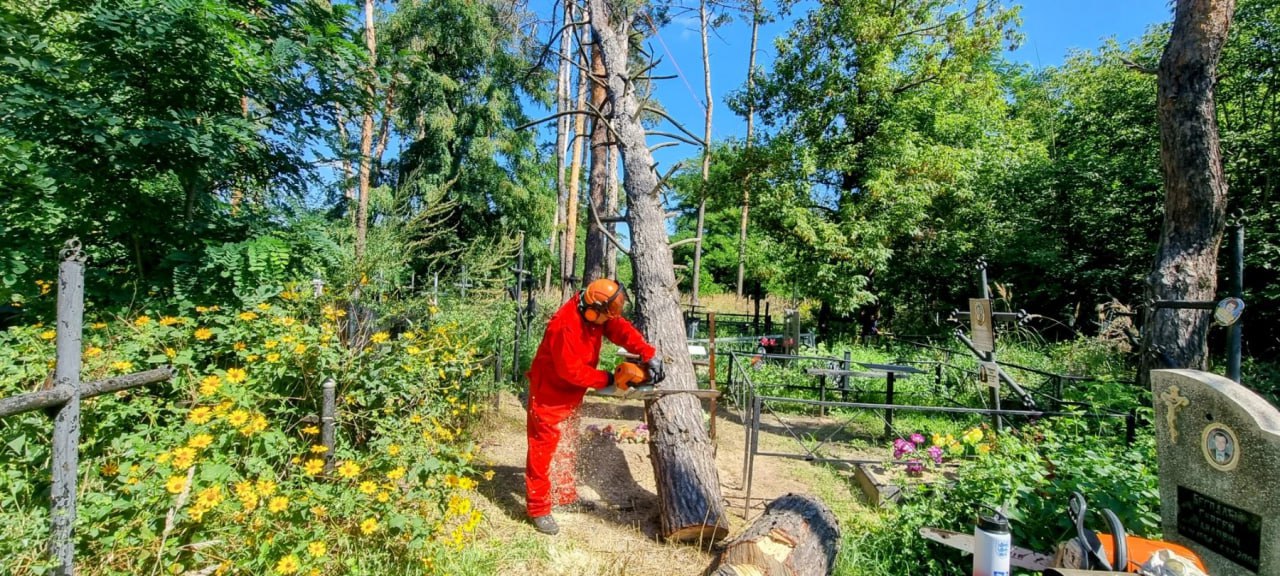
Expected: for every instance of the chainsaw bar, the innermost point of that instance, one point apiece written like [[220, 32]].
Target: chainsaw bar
[[651, 393], [1020, 557]]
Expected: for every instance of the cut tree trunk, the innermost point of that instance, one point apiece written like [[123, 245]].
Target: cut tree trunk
[[691, 508], [1186, 262], [796, 536]]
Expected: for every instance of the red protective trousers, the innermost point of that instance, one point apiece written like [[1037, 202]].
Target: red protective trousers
[[562, 371]]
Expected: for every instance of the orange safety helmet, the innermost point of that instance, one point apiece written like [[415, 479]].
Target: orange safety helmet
[[601, 300]]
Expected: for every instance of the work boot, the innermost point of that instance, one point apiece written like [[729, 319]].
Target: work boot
[[546, 525]]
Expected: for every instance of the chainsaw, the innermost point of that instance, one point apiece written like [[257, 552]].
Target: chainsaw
[[1092, 553], [632, 382]]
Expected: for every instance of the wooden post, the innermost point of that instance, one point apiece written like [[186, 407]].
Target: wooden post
[[328, 421], [66, 421], [711, 371]]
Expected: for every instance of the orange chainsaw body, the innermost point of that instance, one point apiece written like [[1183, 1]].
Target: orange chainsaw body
[[1140, 550]]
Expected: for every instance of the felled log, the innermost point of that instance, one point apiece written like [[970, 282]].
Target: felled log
[[691, 508], [796, 536]]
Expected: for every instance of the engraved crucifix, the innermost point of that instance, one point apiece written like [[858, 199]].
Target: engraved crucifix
[[1175, 401]]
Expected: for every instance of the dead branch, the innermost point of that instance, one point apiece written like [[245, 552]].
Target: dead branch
[[676, 124], [679, 243], [662, 145], [595, 215]]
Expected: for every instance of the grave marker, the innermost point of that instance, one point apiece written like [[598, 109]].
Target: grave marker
[[1219, 461], [980, 325]]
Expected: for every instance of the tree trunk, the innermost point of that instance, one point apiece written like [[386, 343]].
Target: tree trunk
[[690, 505], [597, 249], [366, 132], [562, 141], [796, 536], [575, 179], [1186, 261], [751, 116], [348, 188], [706, 153]]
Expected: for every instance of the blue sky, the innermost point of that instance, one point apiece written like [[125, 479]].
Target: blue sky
[[1051, 29]]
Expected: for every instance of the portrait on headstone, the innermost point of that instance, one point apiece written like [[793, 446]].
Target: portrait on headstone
[[1228, 311], [1221, 448]]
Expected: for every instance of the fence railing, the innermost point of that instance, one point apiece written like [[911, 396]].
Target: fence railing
[[64, 399]]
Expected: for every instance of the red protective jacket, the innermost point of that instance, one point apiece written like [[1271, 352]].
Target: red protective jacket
[[565, 364]]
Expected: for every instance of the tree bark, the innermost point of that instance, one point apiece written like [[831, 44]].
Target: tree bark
[[562, 141], [575, 179], [366, 132], [1186, 261], [706, 152], [796, 536], [691, 508], [597, 248], [751, 116]]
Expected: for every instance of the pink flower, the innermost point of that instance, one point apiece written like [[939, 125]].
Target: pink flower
[[917, 438], [915, 468], [935, 452]]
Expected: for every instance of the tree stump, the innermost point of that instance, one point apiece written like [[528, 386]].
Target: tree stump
[[691, 508], [796, 536]]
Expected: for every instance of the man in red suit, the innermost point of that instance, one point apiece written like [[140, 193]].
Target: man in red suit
[[562, 371]]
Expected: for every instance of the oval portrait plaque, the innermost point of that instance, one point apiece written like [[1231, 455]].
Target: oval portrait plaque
[[1221, 447]]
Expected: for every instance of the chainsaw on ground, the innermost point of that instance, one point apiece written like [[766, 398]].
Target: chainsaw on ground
[[1092, 553], [632, 382]]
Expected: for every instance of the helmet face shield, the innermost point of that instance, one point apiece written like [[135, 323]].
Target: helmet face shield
[[618, 303], [604, 299]]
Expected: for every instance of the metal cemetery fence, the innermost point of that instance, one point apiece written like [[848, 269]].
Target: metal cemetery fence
[[64, 401]]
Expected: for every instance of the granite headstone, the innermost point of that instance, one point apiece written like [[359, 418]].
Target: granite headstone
[[1218, 446]]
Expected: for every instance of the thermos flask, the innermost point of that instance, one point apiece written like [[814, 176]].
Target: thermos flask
[[991, 545]]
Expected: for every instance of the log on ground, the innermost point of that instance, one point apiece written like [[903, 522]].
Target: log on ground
[[796, 536]]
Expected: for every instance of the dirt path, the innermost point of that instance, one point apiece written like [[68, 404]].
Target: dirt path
[[620, 535]]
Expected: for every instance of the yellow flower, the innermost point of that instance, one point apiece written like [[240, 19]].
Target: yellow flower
[[368, 487], [92, 352], [248, 316], [48, 335], [203, 334], [313, 466], [248, 497], [199, 415], [122, 365], [396, 474], [319, 449], [316, 549], [200, 441], [319, 511], [223, 407], [236, 375], [184, 457], [168, 321], [210, 384], [269, 344], [252, 358], [273, 357], [170, 352], [466, 483], [300, 348], [175, 484], [383, 497], [209, 497], [163, 457], [263, 306], [369, 526], [379, 337], [287, 565], [349, 470], [413, 350], [266, 487], [488, 475], [98, 325], [238, 346], [311, 430], [142, 321], [288, 339], [984, 448], [393, 449], [238, 418], [278, 504], [109, 469]]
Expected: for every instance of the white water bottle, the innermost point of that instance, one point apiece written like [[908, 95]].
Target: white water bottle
[[991, 545]]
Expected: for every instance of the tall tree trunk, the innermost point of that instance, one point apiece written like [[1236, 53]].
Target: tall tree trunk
[[348, 185], [751, 117], [366, 131], [706, 152], [562, 141], [611, 207], [575, 179], [597, 248], [690, 505], [1186, 261]]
